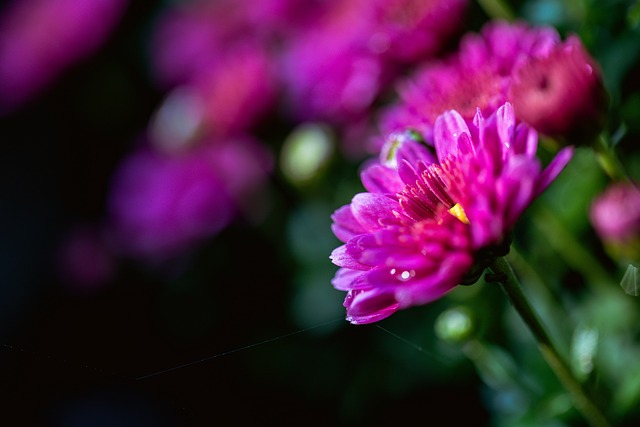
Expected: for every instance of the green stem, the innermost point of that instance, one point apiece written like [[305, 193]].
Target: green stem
[[608, 160], [497, 9], [511, 287], [573, 251]]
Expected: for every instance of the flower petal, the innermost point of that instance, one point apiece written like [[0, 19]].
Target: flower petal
[[553, 170], [345, 225], [370, 208], [449, 128], [369, 306]]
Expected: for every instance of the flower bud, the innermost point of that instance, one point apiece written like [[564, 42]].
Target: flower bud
[[615, 215], [561, 94]]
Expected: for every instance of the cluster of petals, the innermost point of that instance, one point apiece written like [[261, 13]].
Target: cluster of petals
[[554, 85], [39, 39], [426, 221]]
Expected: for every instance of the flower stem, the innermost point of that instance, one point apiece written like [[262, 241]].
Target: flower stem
[[505, 276], [497, 9], [608, 160]]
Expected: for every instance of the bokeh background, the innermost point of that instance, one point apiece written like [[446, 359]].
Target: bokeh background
[[242, 324]]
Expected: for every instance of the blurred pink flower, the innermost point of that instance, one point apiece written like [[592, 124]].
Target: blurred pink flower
[[39, 39], [164, 204], [337, 68], [84, 260], [412, 30], [426, 224], [615, 215]]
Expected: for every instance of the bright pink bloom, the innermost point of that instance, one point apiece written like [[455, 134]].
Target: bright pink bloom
[[426, 225], [478, 75], [163, 204], [39, 39], [615, 215]]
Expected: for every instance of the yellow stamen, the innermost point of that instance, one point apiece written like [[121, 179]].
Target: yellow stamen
[[458, 212]]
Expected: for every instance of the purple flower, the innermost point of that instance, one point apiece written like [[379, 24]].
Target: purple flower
[[426, 224], [164, 204], [615, 215], [410, 30], [328, 78], [478, 75], [84, 260], [337, 68], [41, 38]]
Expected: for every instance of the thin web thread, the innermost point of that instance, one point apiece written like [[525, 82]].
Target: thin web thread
[[239, 349], [246, 347]]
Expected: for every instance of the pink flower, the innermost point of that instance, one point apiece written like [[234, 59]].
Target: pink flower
[[337, 68], [478, 75], [39, 39], [84, 260], [426, 224], [615, 215], [164, 204], [411, 30]]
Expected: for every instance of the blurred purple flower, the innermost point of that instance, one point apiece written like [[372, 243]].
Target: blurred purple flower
[[206, 51], [326, 79], [478, 75], [338, 68], [411, 30], [41, 38], [84, 260], [561, 94], [164, 204], [615, 215], [426, 225]]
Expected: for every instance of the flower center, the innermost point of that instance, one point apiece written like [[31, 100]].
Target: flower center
[[430, 197], [459, 213]]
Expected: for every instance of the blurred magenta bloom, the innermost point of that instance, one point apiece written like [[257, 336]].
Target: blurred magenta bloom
[[412, 30], [336, 69], [561, 94], [426, 224], [478, 75], [615, 215], [326, 79], [39, 39], [84, 259], [207, 50], [164, 204]]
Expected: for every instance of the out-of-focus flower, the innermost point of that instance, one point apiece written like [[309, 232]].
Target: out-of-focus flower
[[39, 39], [410, 30], [478, 75], [615, 215], [228, 97], [336, 70], [326, 79], [562, 93], [84, 260], [425, 226], [162, 204]]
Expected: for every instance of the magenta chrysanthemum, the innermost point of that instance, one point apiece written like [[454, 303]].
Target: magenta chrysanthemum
[[425, 224], [478, 75]]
